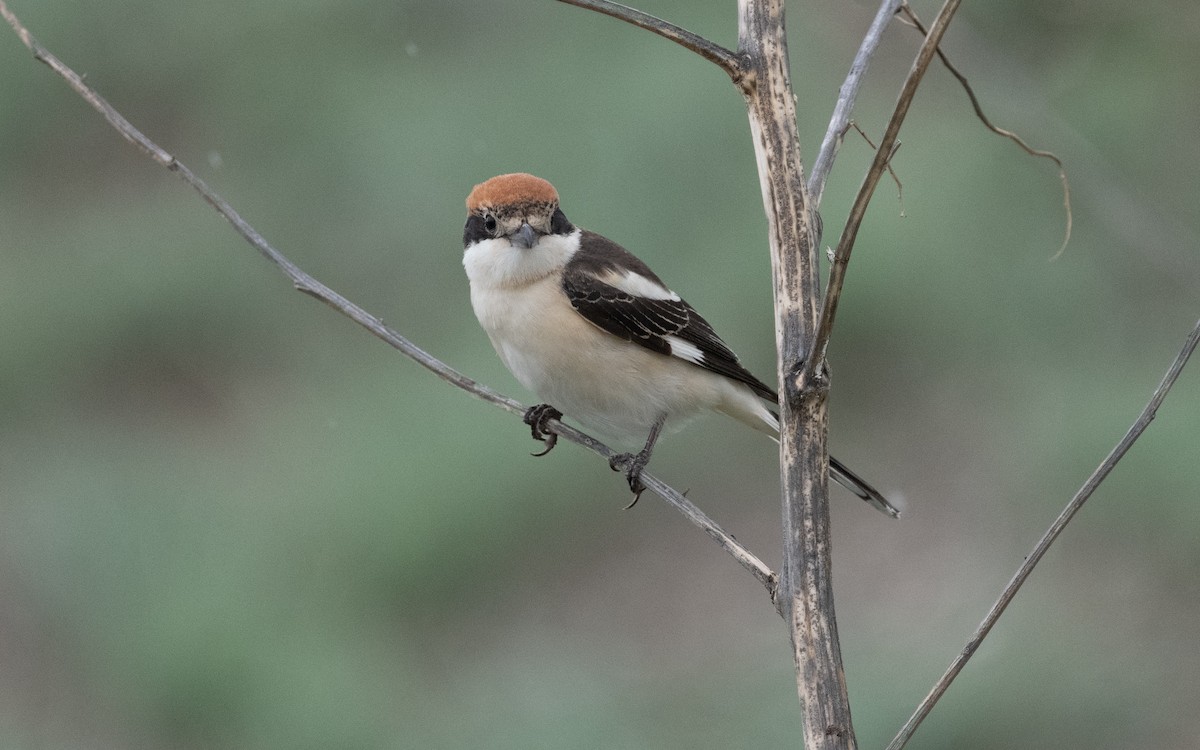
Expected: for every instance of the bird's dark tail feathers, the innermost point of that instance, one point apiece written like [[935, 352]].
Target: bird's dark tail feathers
[[843, 476], [855, 484]]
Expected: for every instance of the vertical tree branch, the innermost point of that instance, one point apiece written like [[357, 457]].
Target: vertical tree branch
[[805, 594]]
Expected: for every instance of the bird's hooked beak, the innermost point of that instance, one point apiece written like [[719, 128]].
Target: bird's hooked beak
[[525, 237]]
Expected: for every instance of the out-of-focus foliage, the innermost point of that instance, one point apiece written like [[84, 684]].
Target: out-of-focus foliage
[[228, 518]]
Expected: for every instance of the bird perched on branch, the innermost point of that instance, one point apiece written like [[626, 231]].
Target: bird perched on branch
[[592, 330]]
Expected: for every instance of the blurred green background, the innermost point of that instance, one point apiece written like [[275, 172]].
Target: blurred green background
[[230, 519]]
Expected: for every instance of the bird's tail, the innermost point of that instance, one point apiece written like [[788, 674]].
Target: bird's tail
[[748, 409], [855, 484]]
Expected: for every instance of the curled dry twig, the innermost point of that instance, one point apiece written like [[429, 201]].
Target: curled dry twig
[[987, 123]]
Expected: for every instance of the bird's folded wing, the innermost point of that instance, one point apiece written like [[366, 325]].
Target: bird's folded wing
[[628, 301]]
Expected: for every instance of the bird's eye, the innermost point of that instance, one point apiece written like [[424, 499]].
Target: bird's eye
[[559, 223], [489, 223]]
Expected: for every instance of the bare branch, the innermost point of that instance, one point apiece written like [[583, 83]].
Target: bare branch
[[847, 95], [310, 286], [841, 257], [725, 59], [1056, 528], [805, 586], [1002, 132]]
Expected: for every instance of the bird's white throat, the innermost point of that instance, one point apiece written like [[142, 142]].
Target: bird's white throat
[[497, 263]]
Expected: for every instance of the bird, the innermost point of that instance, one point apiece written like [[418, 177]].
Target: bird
[[594, 333]]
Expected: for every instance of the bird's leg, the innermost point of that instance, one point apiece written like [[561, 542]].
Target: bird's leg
[[633, 463], [537, 417]]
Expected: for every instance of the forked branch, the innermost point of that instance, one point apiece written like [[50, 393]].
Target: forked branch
[[887, 145]]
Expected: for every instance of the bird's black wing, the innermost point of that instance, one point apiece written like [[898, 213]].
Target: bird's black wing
[[615, 291]]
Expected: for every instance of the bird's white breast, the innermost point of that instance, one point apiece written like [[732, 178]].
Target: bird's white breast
[[609, 384]]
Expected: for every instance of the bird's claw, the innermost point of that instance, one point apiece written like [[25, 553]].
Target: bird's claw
[[551, 441], [538, 417], [631, 464]]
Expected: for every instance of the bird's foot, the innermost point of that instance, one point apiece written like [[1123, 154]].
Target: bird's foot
[[537, 418], [631, 464]]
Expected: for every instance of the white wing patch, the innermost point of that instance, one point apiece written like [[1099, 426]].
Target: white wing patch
[[638, 285], [685, 350]]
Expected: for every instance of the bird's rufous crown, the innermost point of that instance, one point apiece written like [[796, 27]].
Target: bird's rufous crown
[[511, 190]]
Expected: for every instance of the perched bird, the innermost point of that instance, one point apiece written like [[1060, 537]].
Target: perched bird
[[592, 331]]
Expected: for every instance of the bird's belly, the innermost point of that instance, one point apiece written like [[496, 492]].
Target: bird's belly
[[612, 386]]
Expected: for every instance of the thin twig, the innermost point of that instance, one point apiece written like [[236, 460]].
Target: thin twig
[[726, 59], [1056, 528], [891, 172], [847, 95], [1002, 132], [841, 257], [309, 285]]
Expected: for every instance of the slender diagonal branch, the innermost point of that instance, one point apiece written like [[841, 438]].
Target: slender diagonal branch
[[887, 145], [847, 95], [727, 60], [1052, 533], [303, 282]]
